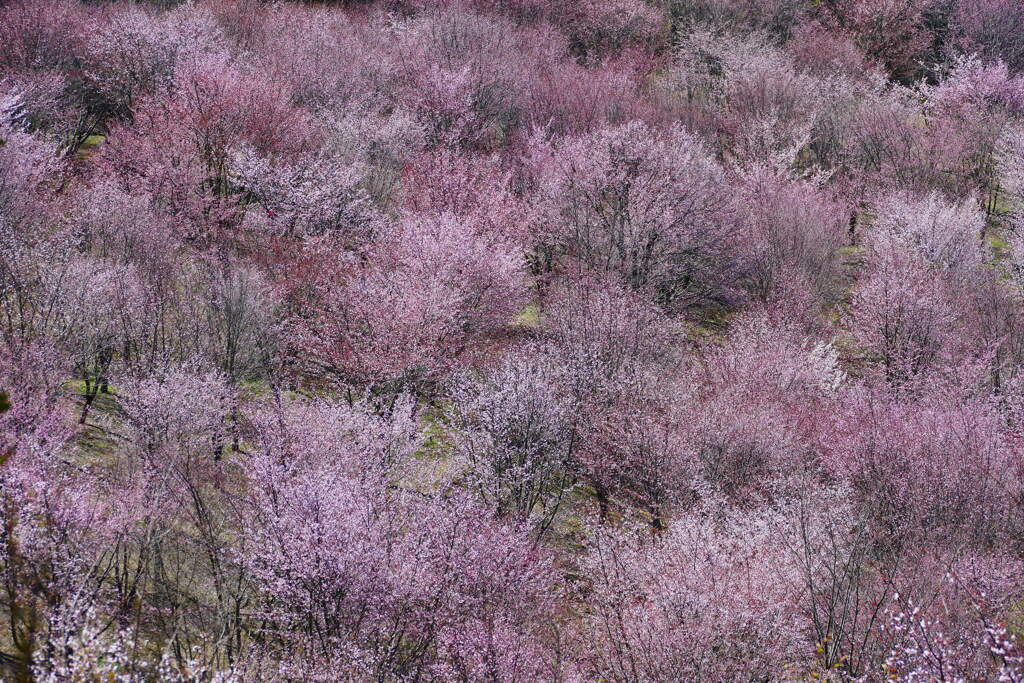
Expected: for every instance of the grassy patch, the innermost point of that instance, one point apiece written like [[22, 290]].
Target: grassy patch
[[90, 144], [997, 244], [437, 439], [529, 317]]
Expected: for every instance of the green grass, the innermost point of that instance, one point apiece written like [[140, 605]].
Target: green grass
[[529, 317], [105, 402], [90, 145], [249, 389], [93, 442], [437, 440], [998, 244]]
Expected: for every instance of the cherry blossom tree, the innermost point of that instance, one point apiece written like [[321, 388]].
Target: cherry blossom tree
[[369, 578], [983, 26], [890, 31], [55, 520], [652, 209], [792, 233], [937, 466], [427, 291], [637, 446], [516, 437], [692, 602]]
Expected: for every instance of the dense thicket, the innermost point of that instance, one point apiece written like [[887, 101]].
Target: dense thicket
[[632, 340]]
